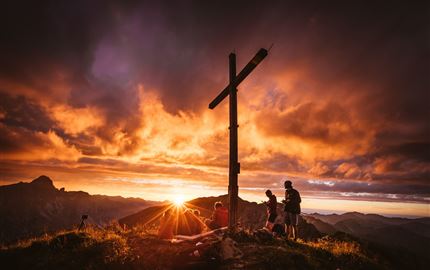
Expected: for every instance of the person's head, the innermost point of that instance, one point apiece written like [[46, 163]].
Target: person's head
[[196, 212], [218, 205], [268, 193], [188, 212], [288, 184], [167, 213]]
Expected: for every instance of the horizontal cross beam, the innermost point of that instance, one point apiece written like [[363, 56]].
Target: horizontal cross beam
[[261, 54]]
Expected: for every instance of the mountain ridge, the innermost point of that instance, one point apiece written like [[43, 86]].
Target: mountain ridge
[[30, 209]]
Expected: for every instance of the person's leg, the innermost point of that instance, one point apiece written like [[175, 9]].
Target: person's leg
[[269, 226], [287, 225], [270, 221], [295, 222], [267, 223], [296, 232], [291, 225]]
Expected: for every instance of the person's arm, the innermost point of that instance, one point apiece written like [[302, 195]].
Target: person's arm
[[298, 197], [287, 197]]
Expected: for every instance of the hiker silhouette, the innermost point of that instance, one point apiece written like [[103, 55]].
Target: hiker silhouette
[[292, 210], [271, 209]]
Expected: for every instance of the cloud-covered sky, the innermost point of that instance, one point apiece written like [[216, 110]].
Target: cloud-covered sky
[[112, 96]]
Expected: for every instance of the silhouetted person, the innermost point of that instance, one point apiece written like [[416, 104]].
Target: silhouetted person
[[199, 225], [219, 217], [271, 209], [82, 225], [190, 224], [167, 225], [182, 227], [292, 209]]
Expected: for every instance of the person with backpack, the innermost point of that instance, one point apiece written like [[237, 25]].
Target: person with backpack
[[292, 210]]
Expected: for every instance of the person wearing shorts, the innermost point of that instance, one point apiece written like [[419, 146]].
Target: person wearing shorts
[[271, 210], [291, 219], [292, 210]]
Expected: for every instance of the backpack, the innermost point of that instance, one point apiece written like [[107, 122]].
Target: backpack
[[293, 199]]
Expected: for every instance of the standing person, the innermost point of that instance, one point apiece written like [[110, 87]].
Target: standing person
[[271, 210], [292, 209]]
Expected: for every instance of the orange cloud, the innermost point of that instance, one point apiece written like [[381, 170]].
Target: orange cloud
[[38, 146], [76, 120]]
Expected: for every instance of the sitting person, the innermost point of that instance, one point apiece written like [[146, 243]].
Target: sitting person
[[219, 217], [182, 227], [189, 223], [167, 225], [197, 221]]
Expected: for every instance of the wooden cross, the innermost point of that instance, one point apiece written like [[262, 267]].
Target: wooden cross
[[231, 91]]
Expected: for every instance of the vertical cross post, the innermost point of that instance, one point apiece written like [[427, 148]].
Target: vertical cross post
[[231, 91], [233, 188]]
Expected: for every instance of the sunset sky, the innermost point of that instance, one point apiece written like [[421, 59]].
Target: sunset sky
[[111, 97]]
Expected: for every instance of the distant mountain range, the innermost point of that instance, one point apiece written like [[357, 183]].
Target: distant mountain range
[[403, 233], [31, 209]]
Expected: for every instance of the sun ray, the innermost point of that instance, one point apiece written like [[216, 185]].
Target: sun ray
[[157, 215]]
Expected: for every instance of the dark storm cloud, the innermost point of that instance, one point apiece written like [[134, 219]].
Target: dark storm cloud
[[10, 143], [52, 34], [170, 43], [22, 112], [417, 151], [51, 43], [362, 78]]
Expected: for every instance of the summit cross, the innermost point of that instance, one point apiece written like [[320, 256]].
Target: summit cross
[[231, 91]]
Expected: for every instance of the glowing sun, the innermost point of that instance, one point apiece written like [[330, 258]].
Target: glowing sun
[[179, 200]]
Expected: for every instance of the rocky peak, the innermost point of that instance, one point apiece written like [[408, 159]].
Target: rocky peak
[[43, 181]]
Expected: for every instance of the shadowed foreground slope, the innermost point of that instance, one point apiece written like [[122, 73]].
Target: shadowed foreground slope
[[116, 249]]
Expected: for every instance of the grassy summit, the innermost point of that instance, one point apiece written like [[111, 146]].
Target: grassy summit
[[113, 248]]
